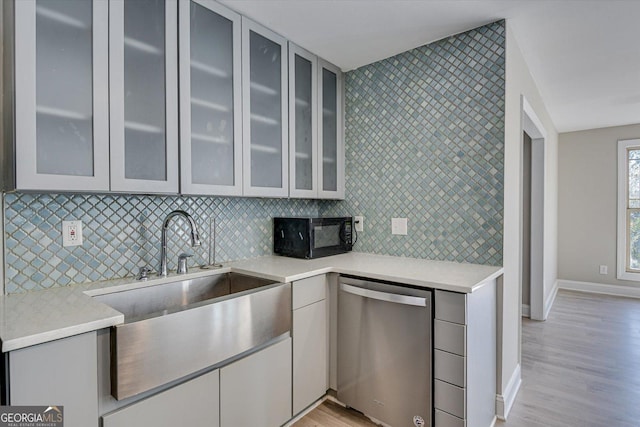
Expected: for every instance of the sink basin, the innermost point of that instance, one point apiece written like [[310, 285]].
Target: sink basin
[[160, 300], [179, 328]]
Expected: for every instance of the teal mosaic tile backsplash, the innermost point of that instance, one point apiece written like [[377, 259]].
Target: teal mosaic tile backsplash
[[122, 233], [424, 139], [424, 134]]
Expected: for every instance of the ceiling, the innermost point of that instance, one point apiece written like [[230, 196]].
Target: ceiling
[[583, 54]]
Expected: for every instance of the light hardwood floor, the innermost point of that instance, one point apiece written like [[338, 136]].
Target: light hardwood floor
[[330, 414], [580, 368]]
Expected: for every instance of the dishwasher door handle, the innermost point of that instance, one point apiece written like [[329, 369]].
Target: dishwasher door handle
[[384, 296]]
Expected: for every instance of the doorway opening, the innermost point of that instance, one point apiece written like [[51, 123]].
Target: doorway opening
[[533, 188]]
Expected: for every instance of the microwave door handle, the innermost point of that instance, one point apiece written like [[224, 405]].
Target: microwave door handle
[[384, 296]]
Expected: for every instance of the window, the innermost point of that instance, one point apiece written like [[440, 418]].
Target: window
[[629, 209]]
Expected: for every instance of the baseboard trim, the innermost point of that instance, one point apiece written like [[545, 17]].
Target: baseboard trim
[[526, 310], [599, 288], [504, 402], [551, 298]]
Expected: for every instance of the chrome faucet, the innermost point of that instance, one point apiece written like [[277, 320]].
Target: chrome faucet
[[195, 238]]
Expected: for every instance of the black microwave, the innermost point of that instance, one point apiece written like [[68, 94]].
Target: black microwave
[[312, 237]]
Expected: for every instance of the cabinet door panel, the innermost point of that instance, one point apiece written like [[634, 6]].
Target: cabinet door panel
[[309, 355], [194, 403], [303, 123], [210, 99], [61, 83], [330, 129], [143, 96], [265, 118], [62, 372], [256, 390]]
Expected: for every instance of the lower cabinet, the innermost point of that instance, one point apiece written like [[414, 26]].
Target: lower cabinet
[[194, 403], [252, 391], [58, 373], [465, 358], [310, 342], [256, 390]]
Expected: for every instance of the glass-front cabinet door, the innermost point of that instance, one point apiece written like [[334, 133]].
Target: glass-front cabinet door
[[265, 127], [210, 99], [330, 132], [143, 88], [303, 123], [61, 84]]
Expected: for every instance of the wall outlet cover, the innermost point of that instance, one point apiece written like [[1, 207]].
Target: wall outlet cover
[[71, 233], [604, 269], [399, 226], [359, 222]]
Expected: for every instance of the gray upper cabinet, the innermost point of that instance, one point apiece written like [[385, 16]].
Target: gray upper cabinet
[[210, 99], [166, 97], [316, 145], [303, 123], [330, 131], [61, 93], [143, 89], [265, 114]]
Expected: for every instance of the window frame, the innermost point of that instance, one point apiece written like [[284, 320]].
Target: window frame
[[623, 255]]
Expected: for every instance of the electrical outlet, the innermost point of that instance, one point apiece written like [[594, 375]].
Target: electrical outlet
[[71, 233], [359, 222], [604, 269], [399, 226]]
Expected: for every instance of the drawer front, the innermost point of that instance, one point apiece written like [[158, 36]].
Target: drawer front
[[310, 290], [442, 419], [451, 306], [450, 337], [450, 399], [450, 368]]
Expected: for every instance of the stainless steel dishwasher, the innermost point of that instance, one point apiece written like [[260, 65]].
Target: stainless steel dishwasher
[[385, 351]]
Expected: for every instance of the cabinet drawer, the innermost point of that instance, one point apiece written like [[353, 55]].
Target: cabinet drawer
[[450, 337], [450, 368], [310, 290], [451, 306], [442, 419], [450, 399]]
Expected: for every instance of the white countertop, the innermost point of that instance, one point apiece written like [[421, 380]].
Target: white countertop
[[37, 317], [450, 276]]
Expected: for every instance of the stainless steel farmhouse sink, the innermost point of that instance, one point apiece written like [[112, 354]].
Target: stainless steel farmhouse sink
[[176, 329]]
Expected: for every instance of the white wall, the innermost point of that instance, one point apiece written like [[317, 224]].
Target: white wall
[[518, 83], [587, 203]]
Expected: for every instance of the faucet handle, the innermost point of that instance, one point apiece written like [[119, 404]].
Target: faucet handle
[[182, 263], [143, 272]]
